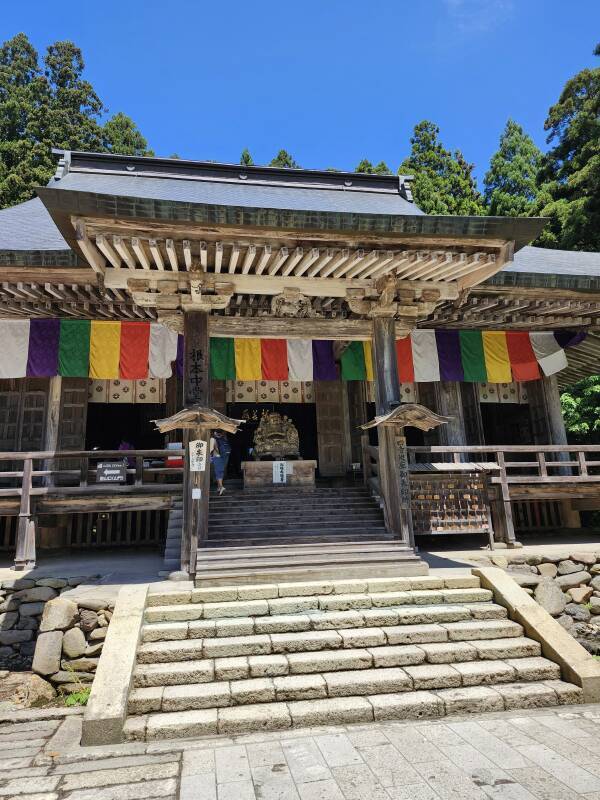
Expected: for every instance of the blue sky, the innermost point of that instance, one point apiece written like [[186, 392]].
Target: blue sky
[[332, 81]]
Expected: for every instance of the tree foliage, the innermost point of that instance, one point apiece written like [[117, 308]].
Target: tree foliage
[[443, 180], [246, 159], [511, 181], [284, 159], [50, 105], [374, 169], [581, 410], [121, 135], [569, 192]]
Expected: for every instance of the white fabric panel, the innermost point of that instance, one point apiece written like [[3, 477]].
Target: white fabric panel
[[300, 359], [550, 355], [163, 350], [14, 335], [425, 356]]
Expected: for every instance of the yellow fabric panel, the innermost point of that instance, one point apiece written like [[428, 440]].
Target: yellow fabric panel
[[247, 360], [369, 361], [497, 361], [105, 347]]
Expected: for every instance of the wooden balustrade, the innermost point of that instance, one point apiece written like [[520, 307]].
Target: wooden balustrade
[[28, 490]]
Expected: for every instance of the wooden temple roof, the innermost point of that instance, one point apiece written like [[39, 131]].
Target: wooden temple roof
[[118, 237]]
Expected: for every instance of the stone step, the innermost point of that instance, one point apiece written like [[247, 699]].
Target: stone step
[[206, 670], [355, 709], [305, 641], [298, 520], [430, 602], [345, 683], [306, 537], [311, 620]]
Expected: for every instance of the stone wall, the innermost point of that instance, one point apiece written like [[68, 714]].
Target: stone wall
[[58, 636], [566, 585]]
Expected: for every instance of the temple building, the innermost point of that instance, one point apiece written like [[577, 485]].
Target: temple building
[[393, 374]]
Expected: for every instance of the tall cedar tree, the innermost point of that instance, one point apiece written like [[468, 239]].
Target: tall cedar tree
[[443, 181], [246, 159], [121, 135], [50, 106], [374, 169], [569, 192], [284, 159], [511, 181]]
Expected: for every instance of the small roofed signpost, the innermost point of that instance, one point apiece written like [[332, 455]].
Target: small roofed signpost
[[197, 423], [196, 420], [394, 476]]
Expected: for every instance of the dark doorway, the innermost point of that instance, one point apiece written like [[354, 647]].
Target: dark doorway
[[506, 423], [108, 424], [301, 414]]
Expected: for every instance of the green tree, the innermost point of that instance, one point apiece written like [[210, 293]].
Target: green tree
[[284, 159], [511, 181], [569, 192], [443, 180], [581, 410], [246, 159], [74, 108], [25, 161], [378, 169], [50, 105], [121, 135]]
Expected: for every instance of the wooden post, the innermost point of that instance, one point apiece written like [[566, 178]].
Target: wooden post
[[25, 552], [449, 403], [196, 391], [394, 477], [52, 424], [558, 435]]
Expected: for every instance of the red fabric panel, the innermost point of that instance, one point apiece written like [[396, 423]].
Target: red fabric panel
[[523, 362], [406, 370], [135, 345], [274, 363]]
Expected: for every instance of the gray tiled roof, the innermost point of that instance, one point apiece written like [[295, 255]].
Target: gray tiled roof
[[555, 262], [238, 193], [29, 226]]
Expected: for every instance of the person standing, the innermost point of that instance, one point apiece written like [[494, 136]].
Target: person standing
[[220, 450]]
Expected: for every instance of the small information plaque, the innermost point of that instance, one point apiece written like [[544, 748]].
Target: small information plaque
[[279, 472], [111, 472], [198, 448]]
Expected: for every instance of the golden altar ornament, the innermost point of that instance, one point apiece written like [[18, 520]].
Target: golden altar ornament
[[276, 438]]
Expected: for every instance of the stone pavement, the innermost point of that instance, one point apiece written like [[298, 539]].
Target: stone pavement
[[539, 754]]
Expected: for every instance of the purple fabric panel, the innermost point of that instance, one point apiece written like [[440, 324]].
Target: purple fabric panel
[[449, 356], [42, 357], [569, 338], [324, 367], [180, 356]]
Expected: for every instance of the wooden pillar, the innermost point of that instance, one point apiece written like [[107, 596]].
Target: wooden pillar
[[394, 478], [196, 391], [25, 552], [558, 435], [52, 426], [449, 404]]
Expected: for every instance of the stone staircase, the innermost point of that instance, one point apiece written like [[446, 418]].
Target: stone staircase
[[288, 533], [172, 556], [273, 656]]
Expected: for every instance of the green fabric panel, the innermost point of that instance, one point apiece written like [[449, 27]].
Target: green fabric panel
[[74, 348], [353, 363], [472, 356], [222, 359]]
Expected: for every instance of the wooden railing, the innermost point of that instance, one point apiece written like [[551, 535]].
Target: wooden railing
[[35, 482], [527, 477]]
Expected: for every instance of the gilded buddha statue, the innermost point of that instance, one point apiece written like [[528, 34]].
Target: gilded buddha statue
[[276, 438]]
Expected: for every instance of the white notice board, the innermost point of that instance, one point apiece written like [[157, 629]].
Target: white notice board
[[198, 448]]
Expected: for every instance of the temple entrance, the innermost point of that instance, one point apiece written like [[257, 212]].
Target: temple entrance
[[303, 416], [110, 424]]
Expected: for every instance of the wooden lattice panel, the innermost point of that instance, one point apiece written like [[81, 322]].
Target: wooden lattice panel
[[450, 503]]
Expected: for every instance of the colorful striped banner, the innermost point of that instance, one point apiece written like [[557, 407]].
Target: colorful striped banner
[[137, 350]]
